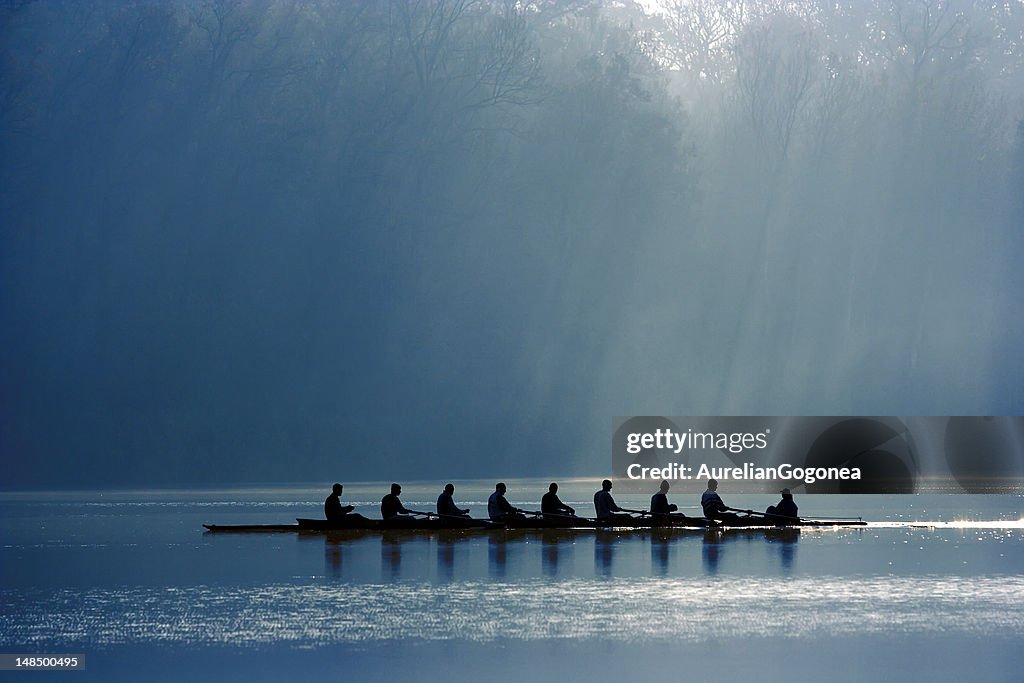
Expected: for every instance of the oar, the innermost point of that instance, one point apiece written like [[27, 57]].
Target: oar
[[642, 513], [457, 518], [524, 512], [749, 512], [428, 515], [563, 516], [764, 514], [759, 514], [677, 514], [552, 514]]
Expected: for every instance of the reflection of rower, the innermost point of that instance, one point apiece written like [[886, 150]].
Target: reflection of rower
[[604, 554]]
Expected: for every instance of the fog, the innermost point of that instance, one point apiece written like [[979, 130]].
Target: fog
[[301, 241]]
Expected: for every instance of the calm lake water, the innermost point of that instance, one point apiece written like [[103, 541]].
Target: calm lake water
[[933, 589]]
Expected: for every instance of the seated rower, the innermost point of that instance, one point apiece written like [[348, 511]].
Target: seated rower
[[713, 505], [499, 509], [391, 507], [333, 509], [446, 503], [552, 507], [785, 507], [605, 506], [659, 502]]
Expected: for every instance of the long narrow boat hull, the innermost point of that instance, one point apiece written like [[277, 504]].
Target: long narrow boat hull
[[251, 528], [527, 524], [400, 524], [664, 522], [669, 521], [767, 523]]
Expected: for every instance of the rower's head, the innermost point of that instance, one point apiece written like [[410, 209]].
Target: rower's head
[[449, 489], [395, 489], [712, 484], [553, 488], [500, 487], [786, 493], [336, 489], [606, 485], [664, 486]]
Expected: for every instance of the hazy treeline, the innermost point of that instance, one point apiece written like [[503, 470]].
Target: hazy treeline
[[295, 240]]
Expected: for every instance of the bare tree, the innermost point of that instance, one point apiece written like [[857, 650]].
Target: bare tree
[[777, 63], [701, 35]]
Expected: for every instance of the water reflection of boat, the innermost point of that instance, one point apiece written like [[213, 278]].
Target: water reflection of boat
[[716, 540], [783, 533]]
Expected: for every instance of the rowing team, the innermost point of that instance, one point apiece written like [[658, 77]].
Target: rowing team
[[500, 510]]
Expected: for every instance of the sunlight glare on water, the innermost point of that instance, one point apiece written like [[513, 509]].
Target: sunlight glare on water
[[621, 609]]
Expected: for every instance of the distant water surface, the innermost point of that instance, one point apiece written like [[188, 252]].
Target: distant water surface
[[934, 587]]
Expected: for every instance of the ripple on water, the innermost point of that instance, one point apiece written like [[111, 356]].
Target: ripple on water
[[619, 610]]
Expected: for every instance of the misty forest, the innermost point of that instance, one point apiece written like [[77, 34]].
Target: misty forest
[[306, 240]]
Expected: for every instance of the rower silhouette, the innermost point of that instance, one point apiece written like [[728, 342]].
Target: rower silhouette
[[659, 501], [499, 509], [605, 506], [390, 505], [552, 507], [713, 505], [785, 507], [446, 503], [337, 513], [333, 509]]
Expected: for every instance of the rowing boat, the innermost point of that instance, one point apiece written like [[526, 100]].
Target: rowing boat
[[669, 522]]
